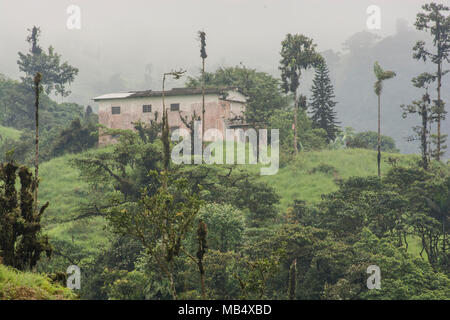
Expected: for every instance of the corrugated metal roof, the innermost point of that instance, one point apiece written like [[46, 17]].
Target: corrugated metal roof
[[172, 92], [107, 96]]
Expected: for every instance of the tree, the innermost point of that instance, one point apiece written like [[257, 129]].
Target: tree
[[404, 277], [369, 140], [77, 137], [21, 240], [437, 24], [292, 280], [226, 226], [426, 193], [148, 133], [422, 108], [160, 222], [37, 90], [55, 75], [322, 103], [202, 232], [363, 202], [190, 125], [381, 76], [18, 107], [262, 89], [440, 210], [297, 54], [203, 55]]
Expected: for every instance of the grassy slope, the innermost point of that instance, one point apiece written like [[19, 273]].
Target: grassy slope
[[60, 184], [11, 133], [297, 182], [16, 285]]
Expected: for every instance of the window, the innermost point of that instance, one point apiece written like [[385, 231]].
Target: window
[[146, 108], [115, 110], [174, 107]]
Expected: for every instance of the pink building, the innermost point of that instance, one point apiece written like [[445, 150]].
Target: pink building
[[224, 108]]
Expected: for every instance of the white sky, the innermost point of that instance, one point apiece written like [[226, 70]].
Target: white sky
[[124, 36]]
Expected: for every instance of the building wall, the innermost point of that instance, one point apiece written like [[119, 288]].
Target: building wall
[[131, 110]]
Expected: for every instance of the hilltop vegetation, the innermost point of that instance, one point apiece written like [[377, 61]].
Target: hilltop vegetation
[[312, 175], [316, 173], [84, 239]]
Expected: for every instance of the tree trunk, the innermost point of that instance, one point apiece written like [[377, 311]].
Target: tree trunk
[[292, 280], [379, 137], [202, 278], [424, 136], [203, 99], [37, 81], [295, 121], [163, 94], [439, 76], [172, 287], [430, 120]]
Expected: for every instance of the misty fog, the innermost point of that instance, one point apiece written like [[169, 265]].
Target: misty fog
[[127, 45]]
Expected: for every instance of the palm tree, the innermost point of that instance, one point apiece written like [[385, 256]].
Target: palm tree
[[381, 75]]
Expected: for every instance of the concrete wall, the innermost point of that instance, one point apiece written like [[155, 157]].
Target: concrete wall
[[216, 111]]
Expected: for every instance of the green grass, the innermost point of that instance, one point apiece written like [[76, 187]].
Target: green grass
[[299, 181], [60, 184], [62, 187], [10, 133], [17, 285]]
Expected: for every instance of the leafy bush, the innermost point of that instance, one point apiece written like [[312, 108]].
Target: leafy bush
[[324, 168], [369, 140]]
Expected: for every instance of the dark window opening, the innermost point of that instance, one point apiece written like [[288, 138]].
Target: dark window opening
[[115, 110], [174, 107], [147, 108]]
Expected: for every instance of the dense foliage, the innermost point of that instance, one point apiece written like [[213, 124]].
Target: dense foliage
[[21, 239]]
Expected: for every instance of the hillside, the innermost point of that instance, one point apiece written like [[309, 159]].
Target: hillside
[[312, 174], [62, 187], [9, 133], [16, 285]]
